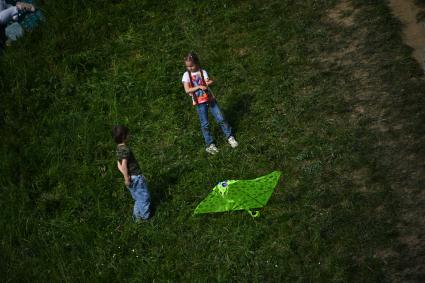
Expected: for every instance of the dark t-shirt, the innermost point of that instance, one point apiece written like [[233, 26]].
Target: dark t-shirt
[[124, 152]]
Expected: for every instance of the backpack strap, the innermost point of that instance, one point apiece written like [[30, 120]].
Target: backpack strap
[[211, 97], [202, 77], [195, 98]]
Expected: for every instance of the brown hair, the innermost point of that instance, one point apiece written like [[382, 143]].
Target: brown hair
[[192, 57], [120, 133]]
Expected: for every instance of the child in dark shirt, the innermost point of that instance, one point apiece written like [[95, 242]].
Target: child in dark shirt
[[133, 178]]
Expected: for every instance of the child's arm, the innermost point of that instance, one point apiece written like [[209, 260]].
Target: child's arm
[[119, 166], [124, 170], [208, 81], [189, 90]]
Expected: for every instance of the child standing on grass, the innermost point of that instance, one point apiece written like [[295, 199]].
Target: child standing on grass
[[133, 178], [196, 82]]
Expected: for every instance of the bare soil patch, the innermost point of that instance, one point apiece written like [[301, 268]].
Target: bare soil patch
[[343, 14], [413, 31], [373, 100]]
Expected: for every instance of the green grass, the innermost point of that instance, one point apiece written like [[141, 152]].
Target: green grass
[[66, 215]]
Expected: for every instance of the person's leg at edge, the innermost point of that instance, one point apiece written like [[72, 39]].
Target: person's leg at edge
[[202, 110], [7, 15]]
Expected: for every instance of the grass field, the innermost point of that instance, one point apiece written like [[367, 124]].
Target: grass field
[[323, 91]]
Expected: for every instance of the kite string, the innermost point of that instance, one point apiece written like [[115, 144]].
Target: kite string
[[254, 214]]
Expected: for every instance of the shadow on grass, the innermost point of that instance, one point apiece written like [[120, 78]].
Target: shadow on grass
[[158, 188], [237, 109]]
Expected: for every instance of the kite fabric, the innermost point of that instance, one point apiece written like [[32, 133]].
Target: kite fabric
[[240, 195]]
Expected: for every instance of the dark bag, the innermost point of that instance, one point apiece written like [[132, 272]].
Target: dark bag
[[2, 36]]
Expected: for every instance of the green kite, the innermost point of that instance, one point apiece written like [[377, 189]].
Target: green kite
[[240, 195]]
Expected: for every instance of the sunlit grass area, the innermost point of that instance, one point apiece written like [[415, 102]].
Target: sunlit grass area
[[66, 215]]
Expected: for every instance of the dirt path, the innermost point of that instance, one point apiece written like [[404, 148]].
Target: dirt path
[[414, 31], [388, 111]]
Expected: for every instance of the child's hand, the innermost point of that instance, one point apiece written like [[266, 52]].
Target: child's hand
[[127, 183], [119, 167], [202, 87]]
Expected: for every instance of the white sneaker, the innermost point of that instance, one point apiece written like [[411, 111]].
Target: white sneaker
[[212, 149], [233, 142]]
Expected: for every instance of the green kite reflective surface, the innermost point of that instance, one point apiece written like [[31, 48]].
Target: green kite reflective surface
[[240, 195]]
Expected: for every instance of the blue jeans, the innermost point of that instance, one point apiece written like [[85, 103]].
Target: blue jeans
[[7, 12], [203, 118], [140, 193]]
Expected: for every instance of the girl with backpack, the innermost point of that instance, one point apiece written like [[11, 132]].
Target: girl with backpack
[[196, 84]]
